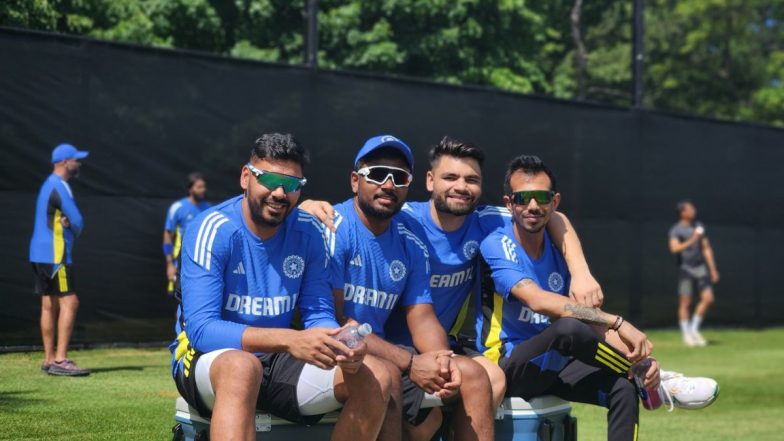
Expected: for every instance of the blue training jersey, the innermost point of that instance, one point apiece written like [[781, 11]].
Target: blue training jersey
[[231, 279], [453, 263], [377, 273], [179, 215], [52, 242], [511, 322]]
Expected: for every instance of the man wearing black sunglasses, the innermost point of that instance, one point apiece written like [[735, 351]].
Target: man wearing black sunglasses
[[247, 263], [380, 266], [586, 354]]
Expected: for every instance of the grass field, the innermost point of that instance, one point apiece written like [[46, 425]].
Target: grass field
[[130, 395]]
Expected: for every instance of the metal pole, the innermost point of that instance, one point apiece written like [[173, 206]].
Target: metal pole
[[638, 49], [311, 37]]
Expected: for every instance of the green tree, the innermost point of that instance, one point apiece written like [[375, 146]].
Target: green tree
[[35, 14], [721, 58]]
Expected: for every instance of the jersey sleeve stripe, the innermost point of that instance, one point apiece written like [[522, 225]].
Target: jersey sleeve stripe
[[332, 236], [68, 189], [322, 229], [405, 232], [173, 209], [208, 250], [201, 237], [494, 211]]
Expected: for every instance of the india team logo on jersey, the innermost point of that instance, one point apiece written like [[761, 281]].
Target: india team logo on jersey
[[293, 266], [555, 282], [470, 249], [397, 271]]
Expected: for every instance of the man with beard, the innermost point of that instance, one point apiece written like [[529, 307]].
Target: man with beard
[[247, 263], [58, 223], [179, 215], [585, 354], [452, 228], [379, 265]]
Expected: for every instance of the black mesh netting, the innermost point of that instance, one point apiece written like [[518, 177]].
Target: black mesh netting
[[150, 116]]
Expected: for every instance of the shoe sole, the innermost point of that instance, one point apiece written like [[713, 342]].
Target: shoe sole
[[702, 405], [65, 373]]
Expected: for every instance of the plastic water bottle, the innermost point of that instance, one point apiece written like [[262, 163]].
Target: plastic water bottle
[[650, 397], [352, 336]]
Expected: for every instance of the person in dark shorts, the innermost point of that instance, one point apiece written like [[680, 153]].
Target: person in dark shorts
[[696, 271], [178, 216], [585, 354], [246, 265], [58, 223]]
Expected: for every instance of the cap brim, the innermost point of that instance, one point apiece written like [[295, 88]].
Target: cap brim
[[81, 155]]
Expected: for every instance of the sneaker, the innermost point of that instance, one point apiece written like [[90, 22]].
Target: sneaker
[[699, 340], [687, 392], [67, 368], [689, 340], [45, 366]]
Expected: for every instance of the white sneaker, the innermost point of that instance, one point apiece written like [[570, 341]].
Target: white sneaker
[[687, 392], [699, 340], [689, 340]]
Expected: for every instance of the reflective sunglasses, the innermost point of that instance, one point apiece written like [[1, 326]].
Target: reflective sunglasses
[[542, 197], [378, 174], [273, 180]]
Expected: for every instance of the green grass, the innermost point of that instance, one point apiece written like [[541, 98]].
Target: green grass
[[749, 366], [130, 395]]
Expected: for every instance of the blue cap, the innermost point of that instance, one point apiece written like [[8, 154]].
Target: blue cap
[[67, 151], [377, 142]]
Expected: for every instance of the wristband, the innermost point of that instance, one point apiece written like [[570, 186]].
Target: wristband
[[410, 363], [617, 324], [168, 249]]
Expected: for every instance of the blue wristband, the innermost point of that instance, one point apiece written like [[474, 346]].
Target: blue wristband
[[168, 249]]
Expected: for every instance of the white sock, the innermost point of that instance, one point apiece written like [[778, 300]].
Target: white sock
[[685, 329], [696, 321]]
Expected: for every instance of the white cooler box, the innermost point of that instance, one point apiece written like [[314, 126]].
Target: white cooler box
[[542, 419], [545, 418]]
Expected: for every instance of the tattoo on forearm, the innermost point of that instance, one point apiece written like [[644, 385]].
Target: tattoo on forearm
[[585, 314]]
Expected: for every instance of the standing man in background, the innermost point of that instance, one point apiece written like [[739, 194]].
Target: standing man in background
[[57, 225], [178, 217], [696, 269]]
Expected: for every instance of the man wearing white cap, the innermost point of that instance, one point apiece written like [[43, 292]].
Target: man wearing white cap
[[57, 225]]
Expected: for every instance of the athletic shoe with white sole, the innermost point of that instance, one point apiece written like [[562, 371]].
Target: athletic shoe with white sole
[[699, 340], [689, 340], [687, 392]]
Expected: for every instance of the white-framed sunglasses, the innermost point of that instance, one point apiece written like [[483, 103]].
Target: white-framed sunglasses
[[378, 174]]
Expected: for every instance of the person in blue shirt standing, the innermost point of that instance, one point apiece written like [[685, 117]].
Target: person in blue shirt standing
[[179, 215], [585, 354], [379, 265], [58, 223], [247, 263]]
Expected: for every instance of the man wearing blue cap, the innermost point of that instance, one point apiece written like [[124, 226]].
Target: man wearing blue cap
[[379, 265], [57, 225]]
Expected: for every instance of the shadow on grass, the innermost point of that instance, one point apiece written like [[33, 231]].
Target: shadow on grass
[[117, 368], [10, 400]]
